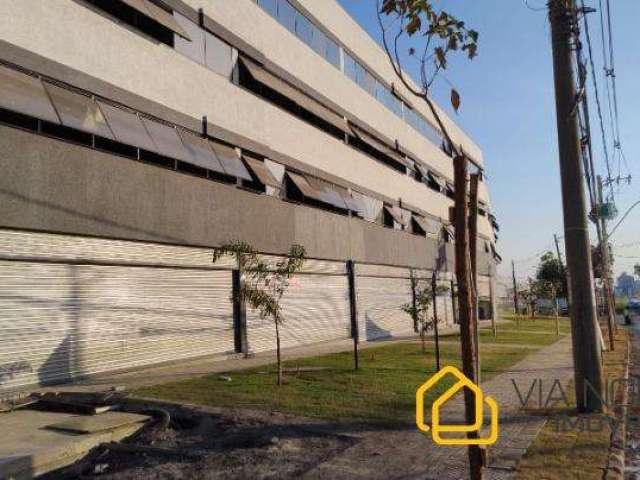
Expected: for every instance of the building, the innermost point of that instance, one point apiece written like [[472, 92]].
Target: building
[[627, 286], [136, 136]]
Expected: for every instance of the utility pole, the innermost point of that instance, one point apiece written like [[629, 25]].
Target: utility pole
[[606, 268], [586, 349], [465, 306]]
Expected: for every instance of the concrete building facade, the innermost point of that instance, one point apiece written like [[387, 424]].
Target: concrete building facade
[[138, 135]]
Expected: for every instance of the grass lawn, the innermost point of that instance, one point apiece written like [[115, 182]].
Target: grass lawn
[[327, 386], [571, 453]]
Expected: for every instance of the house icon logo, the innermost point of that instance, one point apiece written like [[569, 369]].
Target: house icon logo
[[437, 428]]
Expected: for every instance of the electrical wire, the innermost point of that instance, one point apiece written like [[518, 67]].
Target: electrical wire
[[597, 94]]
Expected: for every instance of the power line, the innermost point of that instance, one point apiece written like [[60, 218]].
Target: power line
[[596, 92]]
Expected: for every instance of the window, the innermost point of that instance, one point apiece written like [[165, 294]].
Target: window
[[333, 53], [328, 194], [200, 151], [287, 15], [230, 161], [126, 127], [270, 6], [218, 55], [350, 67], [167, 140], [193, 49], [145, 16], [319, 43], [25, 94], [79, 111], [268, 86], [261, 173], [392, 218], [371, 209], [304, 29]]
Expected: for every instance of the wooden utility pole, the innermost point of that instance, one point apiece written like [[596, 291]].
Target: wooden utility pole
[[474, 180], [586, 349], [434, 287], [465, 307], [606, 268]]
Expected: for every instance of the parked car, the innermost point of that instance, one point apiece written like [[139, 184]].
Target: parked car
[[632, 310]]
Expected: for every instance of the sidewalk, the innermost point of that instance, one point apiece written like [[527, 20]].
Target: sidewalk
[[414, 455], [182, 370]]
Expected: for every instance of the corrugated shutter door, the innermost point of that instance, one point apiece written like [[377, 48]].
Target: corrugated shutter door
[[315, 309], [380, 301], [62, 321]]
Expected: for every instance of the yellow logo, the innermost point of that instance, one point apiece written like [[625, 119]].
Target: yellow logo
[[436, 428]]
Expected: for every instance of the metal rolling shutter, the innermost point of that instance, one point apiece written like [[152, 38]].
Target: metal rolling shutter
[[381, 293], [315, 309], [62, 320]]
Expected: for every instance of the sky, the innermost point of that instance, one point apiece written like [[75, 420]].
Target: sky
[[508, 108]]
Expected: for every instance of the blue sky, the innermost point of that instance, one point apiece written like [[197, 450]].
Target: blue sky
[[508, 108]]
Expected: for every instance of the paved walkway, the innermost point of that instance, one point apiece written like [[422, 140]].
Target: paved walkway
[[414, 455]]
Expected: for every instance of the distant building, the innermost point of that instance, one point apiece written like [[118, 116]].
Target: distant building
[[627, 285], [135, 137]]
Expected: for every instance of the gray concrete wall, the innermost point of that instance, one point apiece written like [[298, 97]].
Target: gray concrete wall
[[51, 185]]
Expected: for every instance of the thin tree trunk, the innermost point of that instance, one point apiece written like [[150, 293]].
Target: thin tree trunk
[[423, 339], [279, 359], [465, 305]]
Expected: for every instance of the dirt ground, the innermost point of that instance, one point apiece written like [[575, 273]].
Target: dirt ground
[[224, 444]]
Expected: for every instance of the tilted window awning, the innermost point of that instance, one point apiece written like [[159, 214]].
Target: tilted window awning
[[377, 144], [167, 140], [79, 111], [262, 173], [264, 77], [228, 157], [328, 193], [127, 127], [303, 185], [396, 214], [25, 94], [437, 179], [428, 225], [200, 150], [158, 15]]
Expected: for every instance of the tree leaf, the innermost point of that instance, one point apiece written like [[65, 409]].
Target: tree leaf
[[442, 58], [455, 99]]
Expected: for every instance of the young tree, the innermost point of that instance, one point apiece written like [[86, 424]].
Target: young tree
[[420, 309], [262, 285]]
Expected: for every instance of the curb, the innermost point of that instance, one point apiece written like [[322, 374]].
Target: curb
[[616, 461]]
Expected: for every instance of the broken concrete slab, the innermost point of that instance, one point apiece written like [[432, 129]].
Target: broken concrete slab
[[28, 448], [98, 423]]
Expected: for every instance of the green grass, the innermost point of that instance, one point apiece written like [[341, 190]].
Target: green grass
[[382, 390], [537, 332]]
